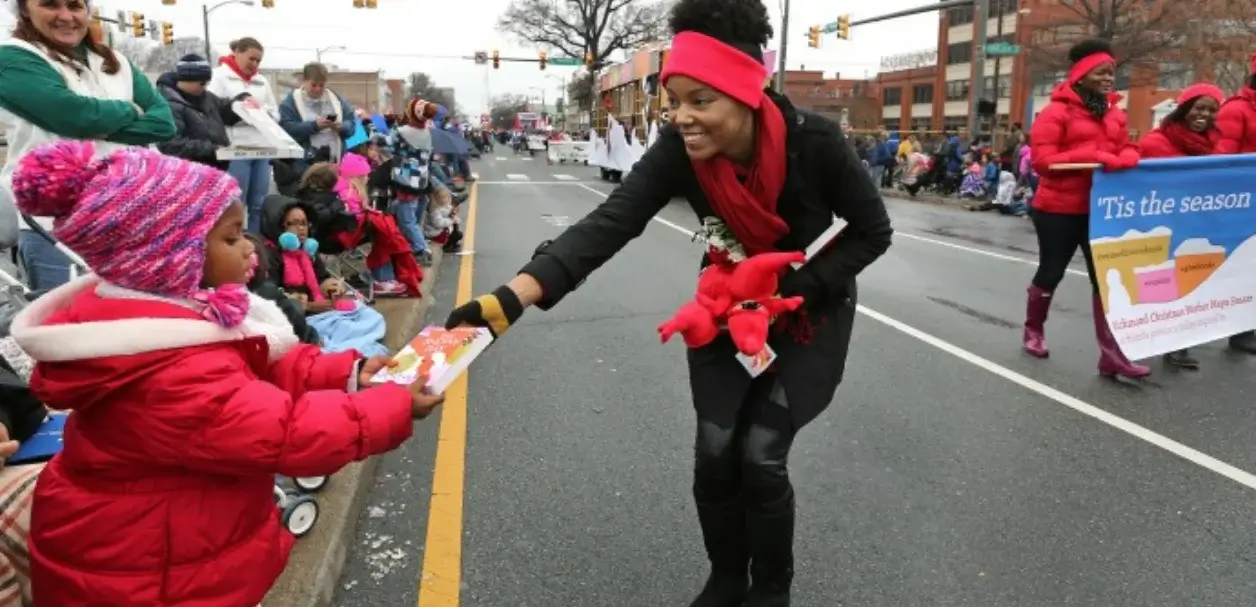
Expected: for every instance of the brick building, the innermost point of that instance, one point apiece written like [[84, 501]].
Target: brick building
[[843, 100], [1023, 83]]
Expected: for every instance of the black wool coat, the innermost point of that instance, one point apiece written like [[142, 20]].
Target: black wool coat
[[824, 178]]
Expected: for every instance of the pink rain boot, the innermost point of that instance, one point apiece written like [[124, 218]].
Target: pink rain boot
[[1112, 362], [1035, 339]]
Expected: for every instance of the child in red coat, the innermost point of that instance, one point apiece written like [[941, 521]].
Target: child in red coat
[[188, 393]]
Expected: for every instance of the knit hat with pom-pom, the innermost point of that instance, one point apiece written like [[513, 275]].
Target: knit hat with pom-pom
[[418, 112], [139, 219]]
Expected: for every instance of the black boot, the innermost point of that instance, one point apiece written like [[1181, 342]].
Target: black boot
[[771, 528], [724, 533], [1244, 342]]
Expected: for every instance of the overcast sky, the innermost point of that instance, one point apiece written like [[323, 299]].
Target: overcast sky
[[404, 36]]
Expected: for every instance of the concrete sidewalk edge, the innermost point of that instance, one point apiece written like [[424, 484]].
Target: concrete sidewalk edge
[[314, 568]]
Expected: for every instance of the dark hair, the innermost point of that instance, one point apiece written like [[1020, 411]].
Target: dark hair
[[1086, 48], [245, 44], [743, 24], [27, 32], [320, 177], [314, 72]]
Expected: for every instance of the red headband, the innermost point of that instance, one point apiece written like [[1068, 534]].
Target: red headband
[[718, 65], [1087, 63]]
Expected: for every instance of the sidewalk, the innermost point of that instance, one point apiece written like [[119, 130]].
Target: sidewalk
[[314, 569], [928, 197]]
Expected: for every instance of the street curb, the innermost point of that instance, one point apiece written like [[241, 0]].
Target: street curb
[[314, 568], [945, 201]]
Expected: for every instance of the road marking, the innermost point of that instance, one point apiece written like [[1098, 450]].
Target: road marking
[[1147, 435], [440, 583], [516, 177], [529, 182], [991, 254], [566, 178], [499, 158]]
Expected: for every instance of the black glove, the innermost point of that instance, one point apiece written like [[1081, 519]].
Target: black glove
[[496, 311]]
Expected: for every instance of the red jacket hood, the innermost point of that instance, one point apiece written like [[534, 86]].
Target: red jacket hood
[[87, 345]]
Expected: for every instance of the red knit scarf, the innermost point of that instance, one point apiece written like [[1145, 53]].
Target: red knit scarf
[[230, 62], [748, 206], [1187, 141]]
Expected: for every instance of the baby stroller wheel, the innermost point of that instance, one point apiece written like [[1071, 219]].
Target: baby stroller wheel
[[281, 498], [300, 514], [310, 484]]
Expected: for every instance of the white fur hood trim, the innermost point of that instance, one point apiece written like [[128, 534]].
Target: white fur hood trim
[[99, 339]]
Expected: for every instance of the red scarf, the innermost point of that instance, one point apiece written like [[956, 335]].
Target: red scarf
[[230, 62], [748, 206], [1189, 142]]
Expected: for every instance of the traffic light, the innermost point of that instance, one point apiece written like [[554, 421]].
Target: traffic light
[[96, 28], [497, 60], [843, 27], [137, 25], [813, 37], [268, 3], [168, 2], [359, 3], [372, 4], [543, 57], [167, 33]]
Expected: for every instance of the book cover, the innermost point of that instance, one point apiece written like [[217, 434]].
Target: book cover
[[439, 354], [45, 443]]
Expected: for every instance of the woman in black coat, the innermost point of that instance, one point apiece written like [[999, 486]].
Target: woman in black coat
[[776, 176]]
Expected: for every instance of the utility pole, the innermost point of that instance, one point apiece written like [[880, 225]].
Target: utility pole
[[998, 59], [780, 70], [205, 22], [981, 13]]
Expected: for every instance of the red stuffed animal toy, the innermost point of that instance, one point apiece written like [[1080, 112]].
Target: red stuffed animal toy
[[741, 296]]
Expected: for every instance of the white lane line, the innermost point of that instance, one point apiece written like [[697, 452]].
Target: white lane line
[[526, 181], [976, 251], [566, 177], [1189, 454], [674, 226], [499, 158], [516, 177]]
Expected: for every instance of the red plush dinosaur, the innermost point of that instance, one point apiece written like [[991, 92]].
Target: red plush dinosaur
[[741, 296]]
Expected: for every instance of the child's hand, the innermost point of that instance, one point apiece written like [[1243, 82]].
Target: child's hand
[[318, 307], [7, 447], [374, 365], [422, 402]]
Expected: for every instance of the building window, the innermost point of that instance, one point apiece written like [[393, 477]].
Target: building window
[[1005, 86], [1124, 75], [921, 124], [1045, 82], [1175, 76], [1009, 7], [960, 52], [891, 124], [922, 93], [954, 123], [957, 90], [892, 96], [959, 16]]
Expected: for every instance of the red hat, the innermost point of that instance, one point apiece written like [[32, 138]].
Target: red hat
[[1202, 89]]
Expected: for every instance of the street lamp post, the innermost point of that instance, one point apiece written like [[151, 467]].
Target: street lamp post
[[206, 10]]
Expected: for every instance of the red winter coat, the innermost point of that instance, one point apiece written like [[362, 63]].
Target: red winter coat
[[1237, 123], [1157, 144], [1066, 132], [162, 495]]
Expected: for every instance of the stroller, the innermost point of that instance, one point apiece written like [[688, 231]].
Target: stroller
[[297, 503]]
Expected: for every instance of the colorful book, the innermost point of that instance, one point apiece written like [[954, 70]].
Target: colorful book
[[45, 443], [439, 354]]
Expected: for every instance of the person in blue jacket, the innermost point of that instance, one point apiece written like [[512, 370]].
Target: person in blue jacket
[[318, 118]]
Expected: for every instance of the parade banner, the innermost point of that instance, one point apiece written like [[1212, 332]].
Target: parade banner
[[1174, 251]]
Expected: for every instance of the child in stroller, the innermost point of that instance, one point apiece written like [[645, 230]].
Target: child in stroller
[[291, 255], [393, 270]]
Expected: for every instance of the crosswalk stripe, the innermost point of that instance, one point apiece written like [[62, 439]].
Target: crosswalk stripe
[[516, 177], [566, 178], [499, 158]]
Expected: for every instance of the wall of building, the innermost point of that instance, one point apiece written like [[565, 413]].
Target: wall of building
[[843, 100]]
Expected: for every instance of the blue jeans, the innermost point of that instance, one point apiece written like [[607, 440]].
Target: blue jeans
[[408, 213], [463, 165], [384, 273], [438, 174], [46, 267], [254, 179]]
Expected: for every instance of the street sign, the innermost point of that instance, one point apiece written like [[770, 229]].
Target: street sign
[[564, 61], [1002, 49], [481, 57], [830, 28], [154, 30]]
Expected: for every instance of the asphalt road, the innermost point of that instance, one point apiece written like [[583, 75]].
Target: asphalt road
[[951, 469]]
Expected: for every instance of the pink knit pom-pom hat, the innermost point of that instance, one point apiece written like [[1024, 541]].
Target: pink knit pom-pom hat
[[138, 218]]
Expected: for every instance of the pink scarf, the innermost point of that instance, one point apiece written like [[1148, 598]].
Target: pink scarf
[[298, 271]]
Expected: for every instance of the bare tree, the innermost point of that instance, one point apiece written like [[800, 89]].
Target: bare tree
[[1222, 41], [578, 28], [1148, 37], [502, 110], [421, 86], [581, 91]]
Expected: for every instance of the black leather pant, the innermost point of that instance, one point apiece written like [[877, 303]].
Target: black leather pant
[[741, 486]]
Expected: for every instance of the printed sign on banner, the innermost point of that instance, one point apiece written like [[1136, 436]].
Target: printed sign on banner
[[1174, 247]]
